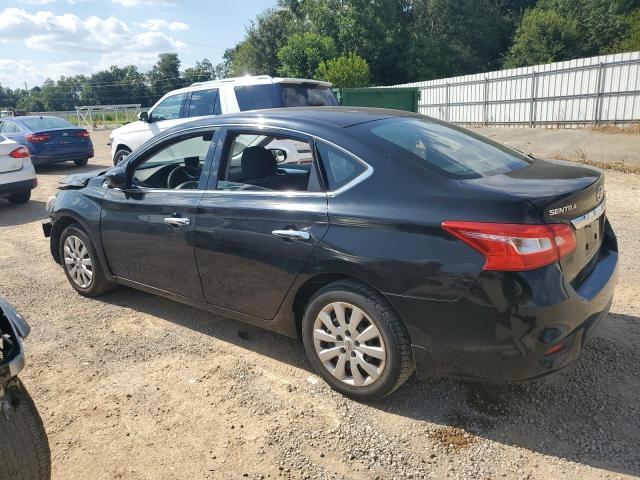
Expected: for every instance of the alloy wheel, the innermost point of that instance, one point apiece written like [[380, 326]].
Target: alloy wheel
[[349, 344], [78, 262]]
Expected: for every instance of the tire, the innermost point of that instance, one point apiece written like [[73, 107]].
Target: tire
[[81, 162], [22, 197], [88, 285], [395, 364], [119, 154], [24, 448]]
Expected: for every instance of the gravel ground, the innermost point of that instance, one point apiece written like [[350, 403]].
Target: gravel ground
[[135, 386]]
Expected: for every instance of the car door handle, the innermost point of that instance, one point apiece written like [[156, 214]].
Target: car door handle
[[177, 221], [292, 234]]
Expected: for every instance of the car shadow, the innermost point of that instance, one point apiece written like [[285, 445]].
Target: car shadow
[[68, 168], [576, 415], [20, 214]]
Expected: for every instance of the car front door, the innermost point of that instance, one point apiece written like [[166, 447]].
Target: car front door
[[258, 223], [147, 228]]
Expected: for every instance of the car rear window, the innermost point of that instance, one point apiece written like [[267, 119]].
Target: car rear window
[[444, 148], [45, 123], [258, 97]]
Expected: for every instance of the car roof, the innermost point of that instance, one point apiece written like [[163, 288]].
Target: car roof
[[340, 117]]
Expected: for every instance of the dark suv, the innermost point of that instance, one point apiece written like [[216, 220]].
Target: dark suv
[[396, 241]]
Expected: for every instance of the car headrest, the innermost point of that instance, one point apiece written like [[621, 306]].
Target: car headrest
[[258, 162]]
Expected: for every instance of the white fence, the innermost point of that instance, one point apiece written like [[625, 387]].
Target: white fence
[[604, 89]]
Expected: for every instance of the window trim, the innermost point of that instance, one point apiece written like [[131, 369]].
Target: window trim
[[213, 153]]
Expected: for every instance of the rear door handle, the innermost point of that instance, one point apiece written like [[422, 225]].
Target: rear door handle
[[292, 234], [177, 221]]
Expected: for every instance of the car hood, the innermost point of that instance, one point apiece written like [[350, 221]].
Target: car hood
[[129, 128], [80, 180]]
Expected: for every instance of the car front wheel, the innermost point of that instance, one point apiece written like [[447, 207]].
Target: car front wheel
[[81, 264], [120, 154], [356, 341]]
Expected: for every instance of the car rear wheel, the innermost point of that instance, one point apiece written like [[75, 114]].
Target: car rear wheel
[[120, 154], [81, 162], [356, 341], [22, 197], [81, 264]]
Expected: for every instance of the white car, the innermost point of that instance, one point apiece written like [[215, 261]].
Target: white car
[[17, 175], [217, 97]]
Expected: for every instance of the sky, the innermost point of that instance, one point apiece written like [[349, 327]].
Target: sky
[[42, 39]]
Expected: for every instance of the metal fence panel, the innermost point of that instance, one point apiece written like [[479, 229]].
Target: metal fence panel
[[583, 91]]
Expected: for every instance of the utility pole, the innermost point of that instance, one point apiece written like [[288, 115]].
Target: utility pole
[[25, 87]]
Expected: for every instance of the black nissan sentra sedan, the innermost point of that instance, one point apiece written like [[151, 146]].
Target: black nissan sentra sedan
[[394, 242]]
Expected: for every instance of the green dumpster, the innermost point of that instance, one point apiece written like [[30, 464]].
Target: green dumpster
[[397, 98]]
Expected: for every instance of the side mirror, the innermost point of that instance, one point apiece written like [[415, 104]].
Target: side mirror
[[116, 178], [143, 116], [279, 154]]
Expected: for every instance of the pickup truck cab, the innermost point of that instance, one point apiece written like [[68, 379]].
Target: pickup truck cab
[[217, 97]]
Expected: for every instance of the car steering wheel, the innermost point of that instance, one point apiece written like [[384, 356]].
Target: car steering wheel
[[183, 175]]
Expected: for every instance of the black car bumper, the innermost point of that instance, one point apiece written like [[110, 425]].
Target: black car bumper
[[12, 329], [67, 157], [18, 187], [512, 326]]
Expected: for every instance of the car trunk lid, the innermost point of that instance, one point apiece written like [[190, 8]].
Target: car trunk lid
[[61, 141], [8, 163], [562, 193]]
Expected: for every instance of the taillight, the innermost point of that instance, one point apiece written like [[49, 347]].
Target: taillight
[[38, 137], [512, 246], [20, 152], [82, 133]]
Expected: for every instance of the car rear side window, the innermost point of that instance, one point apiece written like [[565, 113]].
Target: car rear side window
[[257, 97], [339, 167], [45, 123], [444, 148], [9, 127], [203, 103]]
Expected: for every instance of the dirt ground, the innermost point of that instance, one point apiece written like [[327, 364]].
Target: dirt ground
[[134, 386]]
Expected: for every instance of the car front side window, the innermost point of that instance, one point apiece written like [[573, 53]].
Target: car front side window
[[176, 164], [168, 109]]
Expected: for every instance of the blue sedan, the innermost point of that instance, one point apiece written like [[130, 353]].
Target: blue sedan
[[49, 139]]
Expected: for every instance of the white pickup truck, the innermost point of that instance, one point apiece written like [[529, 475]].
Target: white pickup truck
[[215, 98]]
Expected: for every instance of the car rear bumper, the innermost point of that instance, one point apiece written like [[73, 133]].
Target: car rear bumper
[[17, 187], [512, 326], [42, 159]]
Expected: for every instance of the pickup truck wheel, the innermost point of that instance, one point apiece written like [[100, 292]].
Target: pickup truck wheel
[[24, 448], [81, 162], [356, 341], [120, 154], [81, 264], [22, 197]]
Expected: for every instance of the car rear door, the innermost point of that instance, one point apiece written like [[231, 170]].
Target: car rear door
[[147, 230], [252, 241]]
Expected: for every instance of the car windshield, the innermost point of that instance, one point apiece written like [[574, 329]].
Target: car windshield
[[447, 149], [258, 97], [45, 123]]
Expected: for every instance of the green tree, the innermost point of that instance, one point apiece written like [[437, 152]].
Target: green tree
[[544, 36], [630, 42], [257, 54], [346, 71], [164, 76], [302, 54], [201, 72]]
